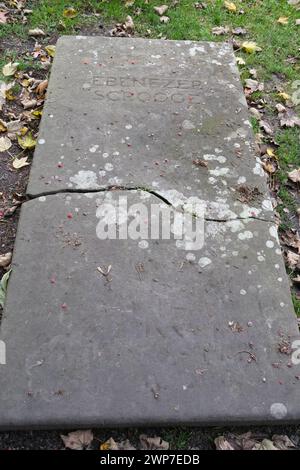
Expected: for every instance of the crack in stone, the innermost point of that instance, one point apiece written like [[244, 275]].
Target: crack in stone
[[137, 188]]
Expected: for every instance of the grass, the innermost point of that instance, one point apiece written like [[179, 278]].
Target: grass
[[296, 303]]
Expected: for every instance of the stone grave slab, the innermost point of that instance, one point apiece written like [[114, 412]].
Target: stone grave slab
[[164, 115], [139, 330], [168, 337]]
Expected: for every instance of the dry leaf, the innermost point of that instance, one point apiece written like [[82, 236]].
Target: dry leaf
[[13, 127], [240, 61], [36, 32], [5, 144], [230, 6], [20, 162], [27, 141], [161, 10], [50, 50], [239, 31], [280, 108], [269, 167], [42, 87], [220, 30], [253, 73], [28, 103], [200, 5], [10, 69], [270, 153], [78, 440], [129, 25], [282, 442], [266, 127], [298, 22], [3, 18], [3, 127], [222, 444], [255, 113], [294, 176], [110, 444], [164, 19], [283, 20], [5, 259], [284, 96], [3, 89], [266, 444], [70, 13], [153, 443], [129, 3], [292, 259], [291, 239], [253, 85], [250, 47], [289, 119]]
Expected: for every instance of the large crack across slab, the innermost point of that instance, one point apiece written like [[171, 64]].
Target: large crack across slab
[[139, 188]]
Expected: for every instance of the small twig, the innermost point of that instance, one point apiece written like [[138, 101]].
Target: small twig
[[139, 267], [105, 273], [252, 356]]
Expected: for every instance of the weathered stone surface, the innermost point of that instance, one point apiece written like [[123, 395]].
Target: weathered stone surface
[[150, 114], [168, 337]]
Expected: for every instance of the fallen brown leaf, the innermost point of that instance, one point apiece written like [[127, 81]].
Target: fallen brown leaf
[[5, 259], [42, 87], [220, 30], [294, 176], [161, 10], [78, 440], [3, 18], [266, 127], [153, 443], [292, 260], [222, 444], [289, 118]]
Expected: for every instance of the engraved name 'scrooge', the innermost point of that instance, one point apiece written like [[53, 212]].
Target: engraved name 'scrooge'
[[145, 89]]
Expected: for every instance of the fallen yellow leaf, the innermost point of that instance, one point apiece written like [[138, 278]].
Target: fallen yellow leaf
[[10, 69], [25, 83], [37, 113], [3, 127], [23, 130], [283, 20], [50, 50], [27, 141], [230, 6], [70, 12], [269, 167], [20, 162], [250, 47], [271, 153], [105, 446], [9, 95], [284, 96]]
